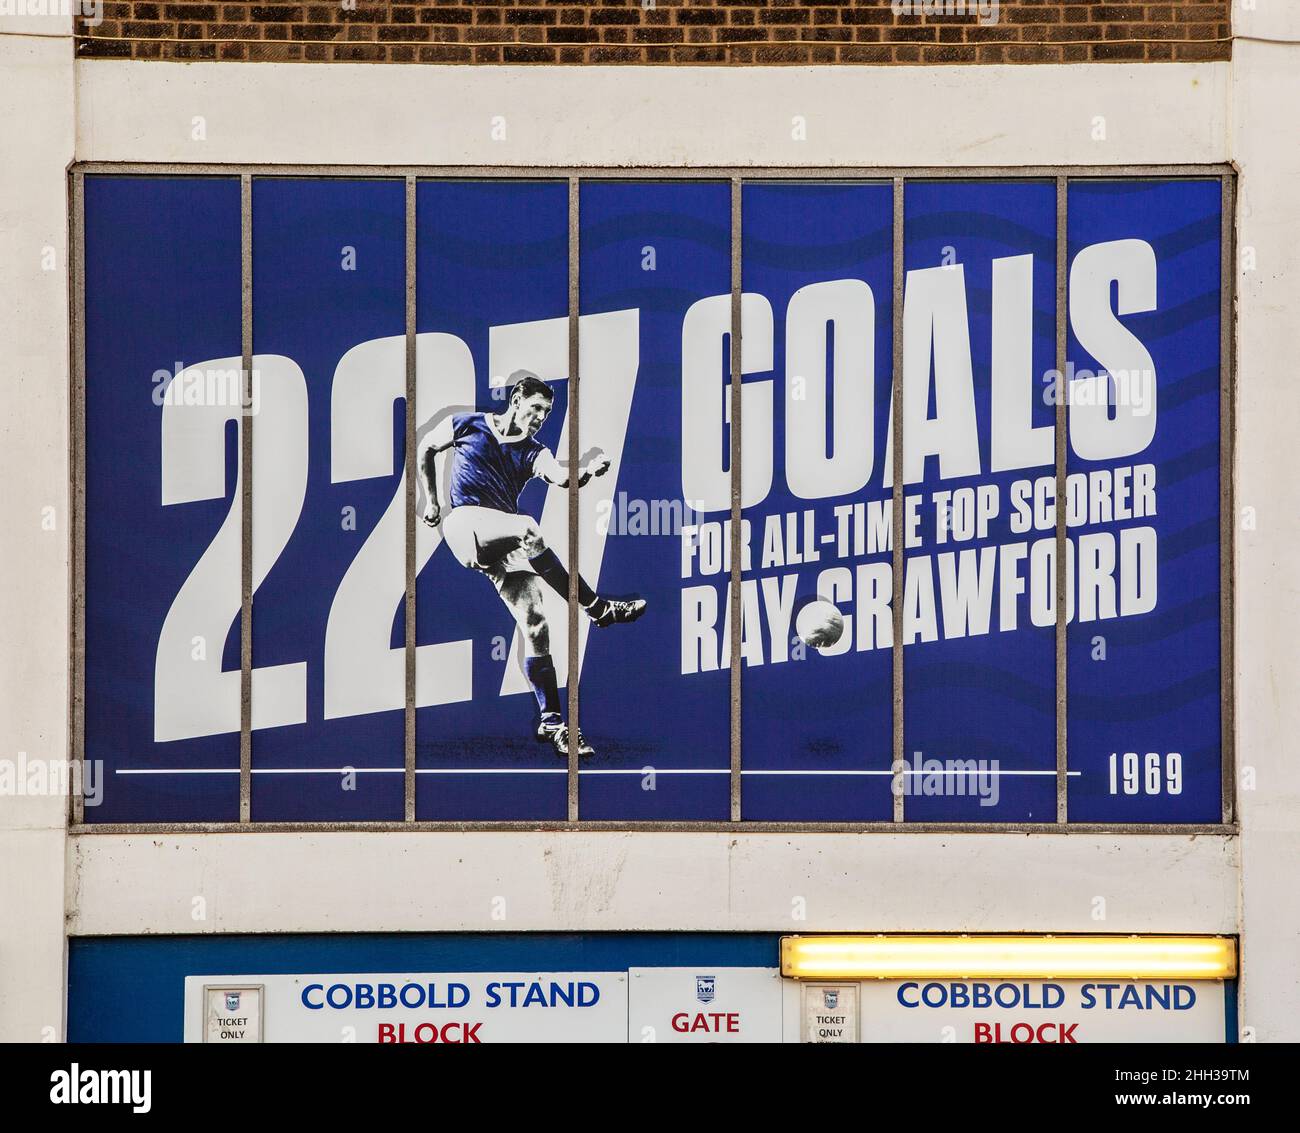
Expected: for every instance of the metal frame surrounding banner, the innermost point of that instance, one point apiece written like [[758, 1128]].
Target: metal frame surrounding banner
[[549, 248]]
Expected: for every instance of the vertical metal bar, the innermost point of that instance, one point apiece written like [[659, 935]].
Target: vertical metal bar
[[77, 501], [736, 458], [246, 501], [897, 782], [411, 407], [575, 455], [1227, 493], [1062, 542]]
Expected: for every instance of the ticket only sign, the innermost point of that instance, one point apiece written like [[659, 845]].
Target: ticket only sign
[[444, 1008], [166, 406]]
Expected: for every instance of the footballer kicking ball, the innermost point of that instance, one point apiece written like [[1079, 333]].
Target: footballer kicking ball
[[819, 624]]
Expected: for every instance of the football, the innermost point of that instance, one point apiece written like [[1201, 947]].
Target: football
[[819, 624]]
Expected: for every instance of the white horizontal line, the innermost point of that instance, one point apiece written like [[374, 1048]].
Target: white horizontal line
[[260, 770], [655, 771], [328, 770], [491, 770], [176, 771], [890, 774], [887, 774], [541, 771]]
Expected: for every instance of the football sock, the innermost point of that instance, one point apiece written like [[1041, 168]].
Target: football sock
[[540, 672], [549, 567]]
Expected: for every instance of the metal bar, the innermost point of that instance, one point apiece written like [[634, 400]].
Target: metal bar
[[1227, 494], [733, 597], [575, 455], [246, 502], [660, 173], [1084, 828], [1062, 540], [898, 782], [77, 500], [408, 792]]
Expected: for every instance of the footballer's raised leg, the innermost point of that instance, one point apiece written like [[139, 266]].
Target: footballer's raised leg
[[522, 593], [602, 611]]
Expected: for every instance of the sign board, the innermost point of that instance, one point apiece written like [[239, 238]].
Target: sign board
[[232, 1013], [1043, 1011], [1029, 1011], [704, 1005], [683, 1005], [979, 392], [422, 1008], [830, 1013]]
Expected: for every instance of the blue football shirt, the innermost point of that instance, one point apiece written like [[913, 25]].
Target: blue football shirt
[[488, 470]]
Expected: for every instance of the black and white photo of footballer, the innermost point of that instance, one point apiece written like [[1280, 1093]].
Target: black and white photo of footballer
[[493, 457]]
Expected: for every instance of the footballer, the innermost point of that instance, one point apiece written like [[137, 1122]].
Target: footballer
[[493, 457]]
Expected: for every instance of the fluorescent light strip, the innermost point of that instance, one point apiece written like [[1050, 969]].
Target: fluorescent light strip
[[969, 957]]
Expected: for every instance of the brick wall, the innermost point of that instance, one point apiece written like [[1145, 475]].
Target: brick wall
[[662, 31]]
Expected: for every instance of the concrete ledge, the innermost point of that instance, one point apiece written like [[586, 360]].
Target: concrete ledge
[[359, 114], [598, 881]]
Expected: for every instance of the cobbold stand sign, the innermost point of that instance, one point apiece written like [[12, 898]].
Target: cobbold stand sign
[[722, 1004], [906, 989], [447, 1008]]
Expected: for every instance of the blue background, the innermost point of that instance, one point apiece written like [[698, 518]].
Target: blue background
[[820, 713], [637, 708], [162, 286], [1158, 689], [993, 696], [305, 306], [133, 989]]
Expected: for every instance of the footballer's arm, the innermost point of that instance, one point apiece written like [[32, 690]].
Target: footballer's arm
[[436, 440], [547, 468]]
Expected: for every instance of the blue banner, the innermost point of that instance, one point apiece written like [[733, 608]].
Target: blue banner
[[165, 406]]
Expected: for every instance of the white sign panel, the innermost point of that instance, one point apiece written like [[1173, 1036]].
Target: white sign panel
[[830, 1013], [704, 1005], [441, 1007], [1042, 1011], [232, 1013]]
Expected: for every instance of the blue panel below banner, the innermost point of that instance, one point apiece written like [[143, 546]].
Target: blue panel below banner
[[131, 990]]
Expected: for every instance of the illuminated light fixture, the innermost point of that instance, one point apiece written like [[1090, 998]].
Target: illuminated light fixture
[[991, 957]]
